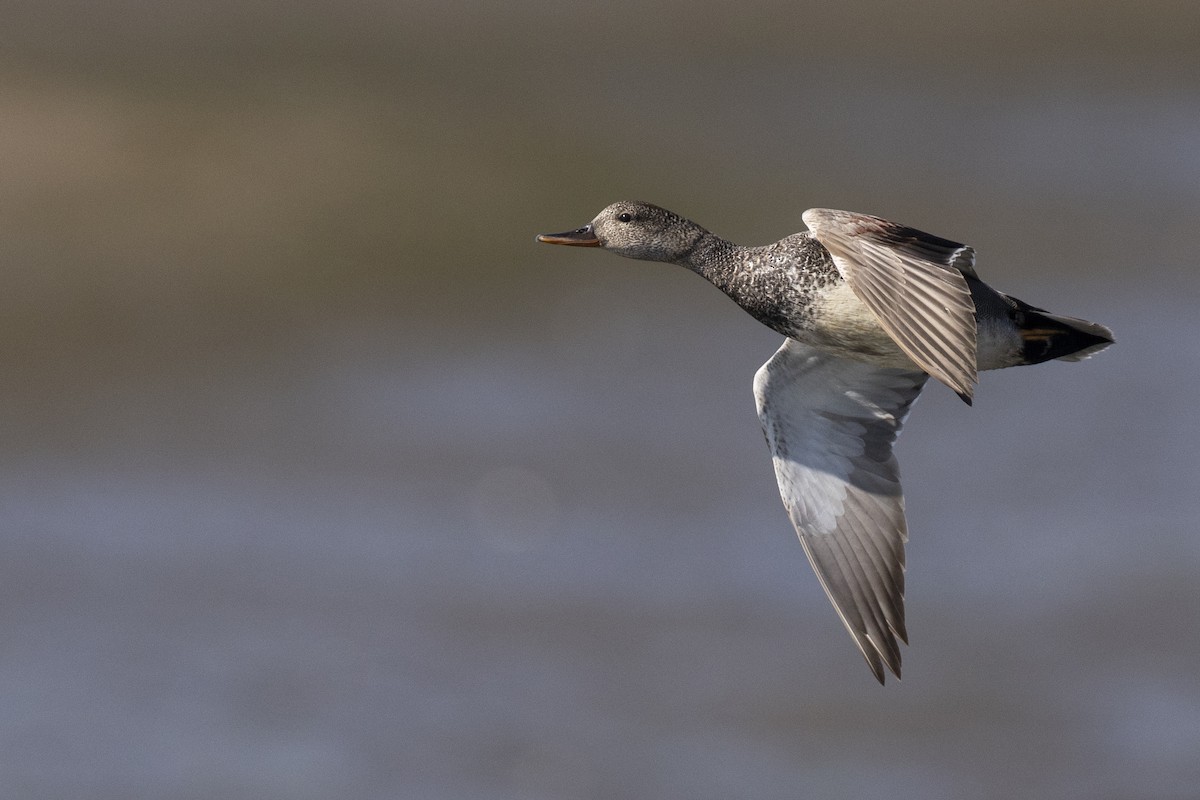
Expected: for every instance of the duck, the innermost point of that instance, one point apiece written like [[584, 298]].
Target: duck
[[870, 310]]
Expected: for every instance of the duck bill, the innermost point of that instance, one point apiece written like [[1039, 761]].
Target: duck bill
[[580, 237]]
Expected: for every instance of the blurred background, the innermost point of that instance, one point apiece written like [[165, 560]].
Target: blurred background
[[321, 479]]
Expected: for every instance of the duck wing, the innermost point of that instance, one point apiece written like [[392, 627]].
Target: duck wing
[[914, 284], [830, 423]]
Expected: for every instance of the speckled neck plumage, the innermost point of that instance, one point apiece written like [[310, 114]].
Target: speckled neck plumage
[[705, 253], [774, 283]]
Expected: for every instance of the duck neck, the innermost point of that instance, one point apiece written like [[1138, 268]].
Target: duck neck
[[709, 256]]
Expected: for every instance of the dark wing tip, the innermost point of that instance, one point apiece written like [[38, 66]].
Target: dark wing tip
[[878, 663]]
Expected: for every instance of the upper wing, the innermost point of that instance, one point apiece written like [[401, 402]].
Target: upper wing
[[913, 283], [830, 423]]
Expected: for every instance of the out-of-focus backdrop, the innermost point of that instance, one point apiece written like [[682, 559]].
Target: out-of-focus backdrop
[[319, 478]]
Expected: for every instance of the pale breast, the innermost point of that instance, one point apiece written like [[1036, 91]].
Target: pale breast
[[842, 324]]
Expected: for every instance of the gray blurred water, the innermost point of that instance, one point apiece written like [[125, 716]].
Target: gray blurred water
[[322, 479]]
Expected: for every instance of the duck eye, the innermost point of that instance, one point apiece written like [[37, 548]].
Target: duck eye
[[625, 216]]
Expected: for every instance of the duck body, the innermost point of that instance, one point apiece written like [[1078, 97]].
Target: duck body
[[870, 309], [793, 287]]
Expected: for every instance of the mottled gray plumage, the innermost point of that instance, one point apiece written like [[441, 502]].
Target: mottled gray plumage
[[870, 309]]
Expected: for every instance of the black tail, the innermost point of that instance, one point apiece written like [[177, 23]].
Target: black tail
[[1048, 336]]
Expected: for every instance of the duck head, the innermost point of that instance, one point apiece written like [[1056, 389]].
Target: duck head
[[634, 230]]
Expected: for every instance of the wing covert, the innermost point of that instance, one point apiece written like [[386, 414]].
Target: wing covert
[[914, 284]]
